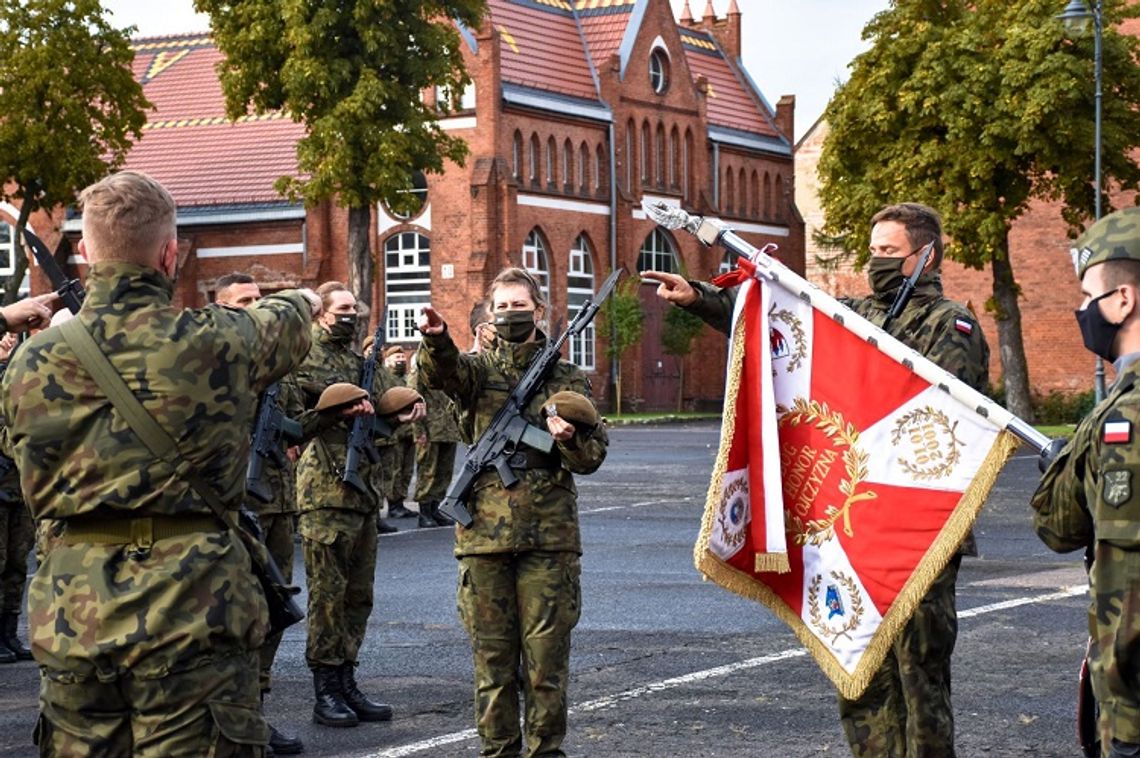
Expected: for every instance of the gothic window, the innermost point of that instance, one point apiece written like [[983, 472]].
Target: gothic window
[[516, 155], [657, 253], [534, 261], [407, 282], [580, 287]]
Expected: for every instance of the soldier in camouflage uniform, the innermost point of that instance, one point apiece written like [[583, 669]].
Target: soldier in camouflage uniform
[[146, 620], [382, 474], [337, 525], [906, 709], [16, 537], [399, 453], [437, 438], [519, 595], [1089, 497]]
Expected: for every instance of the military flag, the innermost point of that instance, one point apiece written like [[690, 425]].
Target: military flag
[[850, 467]]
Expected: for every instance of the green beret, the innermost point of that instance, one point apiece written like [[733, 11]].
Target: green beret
[[339, 395], [575, 408], [1116, 237], [396, 400]]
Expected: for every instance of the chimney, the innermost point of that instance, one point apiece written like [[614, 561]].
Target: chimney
[[786, 116]]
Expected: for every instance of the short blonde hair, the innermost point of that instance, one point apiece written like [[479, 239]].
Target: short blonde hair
[[327, 289], [127, 217]]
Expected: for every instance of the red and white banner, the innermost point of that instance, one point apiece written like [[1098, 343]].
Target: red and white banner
[[844, 481]]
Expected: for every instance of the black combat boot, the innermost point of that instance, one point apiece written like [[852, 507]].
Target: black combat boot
[[367, 710], [281, 744], [425, 518], [9, 640], [6, 655], [331, 708], [441, 519], [397, 510], [383, 527]]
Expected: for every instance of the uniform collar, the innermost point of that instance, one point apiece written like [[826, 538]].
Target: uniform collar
[[1122, 363], [517, 354], [127, 284], [926, 289]]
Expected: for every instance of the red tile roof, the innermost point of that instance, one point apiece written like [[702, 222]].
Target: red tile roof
[[189, 145], [603, 24], [730, 103], [541, 46]]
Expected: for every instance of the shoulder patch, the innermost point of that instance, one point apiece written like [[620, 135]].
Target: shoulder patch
[[1117, 432], [1117, 488], [964, 326]]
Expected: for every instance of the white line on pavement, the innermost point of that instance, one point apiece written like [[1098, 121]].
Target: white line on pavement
[[642, 504], [665, 684]]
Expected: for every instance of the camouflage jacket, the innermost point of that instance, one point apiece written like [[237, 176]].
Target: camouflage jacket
[[319, 486], [541, 511], [198, 372], [442, 422], [1089, 496], [386, 379]]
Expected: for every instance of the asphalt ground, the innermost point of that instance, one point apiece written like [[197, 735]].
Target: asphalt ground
[[665, 664]]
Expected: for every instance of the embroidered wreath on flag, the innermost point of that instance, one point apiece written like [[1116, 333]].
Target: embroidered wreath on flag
[[842, 434], [856, 606], [920, 416], [799, 335], [733, 535]]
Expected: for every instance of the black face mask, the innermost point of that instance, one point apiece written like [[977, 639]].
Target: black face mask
[[343, 329], [885, 275], [1097, 332], [514, 326]]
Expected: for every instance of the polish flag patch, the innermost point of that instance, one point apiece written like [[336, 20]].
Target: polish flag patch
[[1118, 431], [964, 326]]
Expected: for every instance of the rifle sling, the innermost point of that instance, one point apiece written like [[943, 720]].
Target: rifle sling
[[141, 422]]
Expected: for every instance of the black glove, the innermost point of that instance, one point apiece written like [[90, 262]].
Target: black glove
[[1049, 452]]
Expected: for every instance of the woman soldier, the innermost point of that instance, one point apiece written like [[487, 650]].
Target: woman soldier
[[519, 593]]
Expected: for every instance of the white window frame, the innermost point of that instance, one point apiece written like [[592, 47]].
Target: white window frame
[[658, 253], [536, 261], [582, 345], [403, 302]]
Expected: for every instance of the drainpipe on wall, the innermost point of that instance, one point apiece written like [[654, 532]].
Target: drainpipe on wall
[[716, 175], [613, 242]]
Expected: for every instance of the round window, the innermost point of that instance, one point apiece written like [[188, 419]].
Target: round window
[[409, 202], [659, 71]]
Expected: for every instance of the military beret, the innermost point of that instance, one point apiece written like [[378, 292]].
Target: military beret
[[575, 408], [339, 395], [396, 400], [368, 342], [1116, 237], [393, 350]]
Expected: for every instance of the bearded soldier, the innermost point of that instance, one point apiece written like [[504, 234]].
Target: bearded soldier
[[1089, 497], [906, 709], [146, 619]]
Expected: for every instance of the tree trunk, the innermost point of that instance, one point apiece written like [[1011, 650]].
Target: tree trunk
[[617, 390], [361, 267], [20, 253], [1011, 347], [680, 383]]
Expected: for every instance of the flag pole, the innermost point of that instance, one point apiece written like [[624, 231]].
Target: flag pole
[[711, 231]]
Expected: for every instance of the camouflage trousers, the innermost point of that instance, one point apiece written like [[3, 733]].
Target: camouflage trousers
[[17, 535], [519, 610], [210, 710], [434, 464], [906, 710], [278, 531], [397, 461], [340, 567]]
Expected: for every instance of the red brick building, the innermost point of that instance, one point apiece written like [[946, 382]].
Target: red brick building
[[578, 111]]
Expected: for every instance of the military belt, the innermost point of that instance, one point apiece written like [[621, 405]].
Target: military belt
[[531, 458], [141, 532]]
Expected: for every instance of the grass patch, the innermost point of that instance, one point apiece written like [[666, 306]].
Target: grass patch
[[1056, 430], [661, 418]]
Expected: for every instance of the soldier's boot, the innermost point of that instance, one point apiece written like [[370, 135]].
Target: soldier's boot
[[426, 521], [331, 708], [280, 743], [366, 709], [6, 655], [440, 518], [383, 527], [397, 510], [9, 640]]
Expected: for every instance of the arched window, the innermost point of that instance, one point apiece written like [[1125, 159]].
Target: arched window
[[659, 169], [550, 148], [583, 168], [516, 156], [754, 193], [630, 152], [407, 282], [645, 154], [779, 199], [579, 288], [534, 260], [674, 158], [600, 174], [767, 195], [533, 158], [687, 166], [742, 188], [729, 191], [657, 253], [568, 165]]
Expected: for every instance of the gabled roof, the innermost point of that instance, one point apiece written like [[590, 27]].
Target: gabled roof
[[189, 145], [541, 47], [731, 103]]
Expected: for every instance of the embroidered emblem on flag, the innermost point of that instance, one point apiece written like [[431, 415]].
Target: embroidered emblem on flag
[[964, 326], [733, 515], [1118, 431]]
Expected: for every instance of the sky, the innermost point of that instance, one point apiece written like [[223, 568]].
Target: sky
[[799, 48]]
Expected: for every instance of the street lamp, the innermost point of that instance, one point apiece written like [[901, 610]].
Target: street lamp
[[1076, 17]]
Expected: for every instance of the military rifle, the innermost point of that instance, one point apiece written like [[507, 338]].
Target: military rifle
[[509, 429], [907, 288], [270, 432], [70, 291], [365, 428]]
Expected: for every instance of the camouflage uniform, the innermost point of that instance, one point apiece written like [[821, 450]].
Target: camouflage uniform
[[435, 460], [519, 595], [17, 535], [337, 523], [906, 709], [145, 620], [397, 453]]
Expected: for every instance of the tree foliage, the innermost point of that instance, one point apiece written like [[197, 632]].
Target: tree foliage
[[622, 321], [679, 330], [352, 71], [71, 105], [977, 108]]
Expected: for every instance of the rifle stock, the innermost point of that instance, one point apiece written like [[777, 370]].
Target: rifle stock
[[360, 439], [509, 431], [272, 429]]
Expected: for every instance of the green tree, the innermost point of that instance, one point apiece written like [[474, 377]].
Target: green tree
[[70, 102], [622, 319], [677, 335], [977, 108], [352, 71]]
